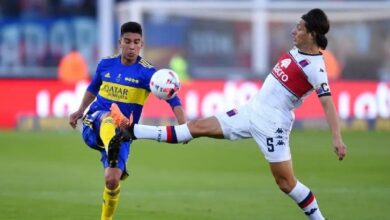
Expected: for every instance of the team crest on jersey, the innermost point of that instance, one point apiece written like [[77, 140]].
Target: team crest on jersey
[[285, 63], [304, 62], [118, 78]]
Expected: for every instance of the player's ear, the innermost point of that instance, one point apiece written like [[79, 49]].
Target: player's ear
[[312, 35], [119, 42]]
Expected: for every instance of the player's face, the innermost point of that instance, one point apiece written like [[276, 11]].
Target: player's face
[[131, 45], [301, 37]]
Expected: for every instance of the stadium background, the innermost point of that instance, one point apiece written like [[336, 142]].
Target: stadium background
[[225, 48]]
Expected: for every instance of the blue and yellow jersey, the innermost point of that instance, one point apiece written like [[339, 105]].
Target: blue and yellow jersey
[[126, 85]]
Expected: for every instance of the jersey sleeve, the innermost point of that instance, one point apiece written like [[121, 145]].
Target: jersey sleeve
[[319, 80], [94, 86]]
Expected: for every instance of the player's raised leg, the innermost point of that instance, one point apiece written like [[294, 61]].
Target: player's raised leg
[[208, 127], [301, 194], [110, 139]]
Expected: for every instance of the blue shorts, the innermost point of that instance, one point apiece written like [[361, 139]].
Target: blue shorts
[[91, 136]]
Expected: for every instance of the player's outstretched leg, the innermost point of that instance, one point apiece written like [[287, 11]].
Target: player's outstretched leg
[[169, 134]]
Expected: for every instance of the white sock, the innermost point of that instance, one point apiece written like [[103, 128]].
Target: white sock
[[170, 134], [307, 201]]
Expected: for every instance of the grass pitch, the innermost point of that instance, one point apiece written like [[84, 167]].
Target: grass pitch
[[51, 175]]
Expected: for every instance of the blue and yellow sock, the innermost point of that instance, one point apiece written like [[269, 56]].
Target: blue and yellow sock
[[110, 202]]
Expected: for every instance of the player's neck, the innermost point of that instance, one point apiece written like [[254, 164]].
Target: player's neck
[[309, 49], [125, 61]]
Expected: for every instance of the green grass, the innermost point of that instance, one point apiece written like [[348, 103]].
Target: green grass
[[50, 175]]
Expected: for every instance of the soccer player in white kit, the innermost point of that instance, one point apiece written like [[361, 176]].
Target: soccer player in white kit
[[268, 117]]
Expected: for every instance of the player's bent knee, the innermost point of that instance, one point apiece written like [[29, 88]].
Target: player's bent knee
[[112, 183], [112, 180], [207, 127], [285, 184], [196, 128]]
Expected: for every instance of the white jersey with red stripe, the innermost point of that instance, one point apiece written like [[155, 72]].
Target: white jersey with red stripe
[[294, 76]]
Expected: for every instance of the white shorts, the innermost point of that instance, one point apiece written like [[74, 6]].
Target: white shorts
[[236, 124]]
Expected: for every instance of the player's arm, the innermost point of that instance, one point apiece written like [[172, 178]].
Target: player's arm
[[179, 114], [88, 98], [333, 122], [177, 109]]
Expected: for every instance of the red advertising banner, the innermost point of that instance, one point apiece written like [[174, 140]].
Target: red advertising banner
[[44, 98]]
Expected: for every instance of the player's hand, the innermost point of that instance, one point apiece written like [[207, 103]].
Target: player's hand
[[74, 117], [340, 149]]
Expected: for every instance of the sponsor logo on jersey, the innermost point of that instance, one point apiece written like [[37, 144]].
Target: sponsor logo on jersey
[[285, 63], [129, 79], [122, 93], [278, 71], [291, 75], [107, 75], [115, 90]]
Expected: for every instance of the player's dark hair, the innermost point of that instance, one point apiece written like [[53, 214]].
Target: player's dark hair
[[132, 27], [317, 23]]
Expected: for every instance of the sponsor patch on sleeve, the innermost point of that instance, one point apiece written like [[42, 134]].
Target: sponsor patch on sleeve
[[232, 112]]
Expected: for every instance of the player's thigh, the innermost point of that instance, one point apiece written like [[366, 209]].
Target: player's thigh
[[274, 145], [91, 129], [234, 124]]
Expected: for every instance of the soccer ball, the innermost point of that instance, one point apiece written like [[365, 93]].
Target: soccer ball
[[165, 84]]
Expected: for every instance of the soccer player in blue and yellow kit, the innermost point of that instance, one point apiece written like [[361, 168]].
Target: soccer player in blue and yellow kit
[[123, 80]]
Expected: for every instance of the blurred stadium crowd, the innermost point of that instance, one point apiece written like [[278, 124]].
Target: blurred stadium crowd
[[36, 34], [49, 50]]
